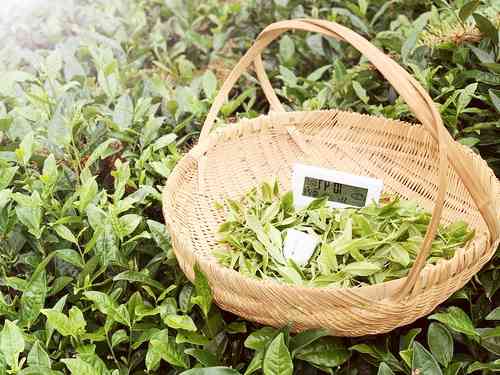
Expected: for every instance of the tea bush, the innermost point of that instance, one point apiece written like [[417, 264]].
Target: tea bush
[[99, 100]]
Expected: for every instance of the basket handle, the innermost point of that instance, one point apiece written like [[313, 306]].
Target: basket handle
[[409, 89]]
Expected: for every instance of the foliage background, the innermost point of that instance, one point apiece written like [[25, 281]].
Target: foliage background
[[99, 99]]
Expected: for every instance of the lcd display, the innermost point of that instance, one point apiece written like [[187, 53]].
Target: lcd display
[[335, 192]]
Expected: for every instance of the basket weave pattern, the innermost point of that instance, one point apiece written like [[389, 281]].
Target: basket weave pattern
[[411, 159]]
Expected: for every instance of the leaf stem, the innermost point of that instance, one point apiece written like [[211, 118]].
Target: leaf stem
[[110, 346]]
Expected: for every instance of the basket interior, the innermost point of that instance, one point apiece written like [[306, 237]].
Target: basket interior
[[245, 154]]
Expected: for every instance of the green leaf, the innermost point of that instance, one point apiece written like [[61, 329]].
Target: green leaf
[[26, 148], [72, 325], [87, 192], [38, 356], [121, 176], [60, 130], [108, 307], [124, 112], [457, 320], [164, 141], [469, 8], [318, 73], [289, 78], [11, 344], [406, 340], [209, 82], [290, 275], [384, 369], [488, 333], [484, 56], [185, 298], [409, 44], [424, 361], [78, 367], [453, 368], [211, 371], [277, 359], [71, 256], [256, 363], [440, 343], [203, 292], [494, 315], [259, 339], [163, 347], [6, 310], [287, 48], [362, 268], [59, 306], [324, 352], [119, 337], [138, 277], [495, 100], [159, 233], [33, 297], [305, 338], [150, 130], [236, 327], [64, 232], [486, 27], [49, 172], [379, 354], [360, 92], [407, 356], [29, 212], [465, 97], [204, 357], [478, 366], [87, 354], [191, 338], [106, 246], [6, 176], [179, 322], [104, 150], [5, 197], [37, 370], [469, 141], [399, 254], [77, 320], [3, 364]]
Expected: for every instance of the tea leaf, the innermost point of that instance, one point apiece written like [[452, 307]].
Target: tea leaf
[[424, 361], [11, 344], [37, 356], [203, 296], [441, 343], [211, 371], [457, 320], [467, 10], [384, 369], [325, 352], [277, 359]]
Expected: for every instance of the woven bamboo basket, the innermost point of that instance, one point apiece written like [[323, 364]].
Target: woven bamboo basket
[[419, 161]]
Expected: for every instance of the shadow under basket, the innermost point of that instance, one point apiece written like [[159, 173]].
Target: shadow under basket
[[419, 162]]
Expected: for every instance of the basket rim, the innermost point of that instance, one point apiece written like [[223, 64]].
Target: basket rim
[[209, 264]]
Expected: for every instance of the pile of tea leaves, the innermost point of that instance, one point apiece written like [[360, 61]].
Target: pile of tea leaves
[[356, 246]]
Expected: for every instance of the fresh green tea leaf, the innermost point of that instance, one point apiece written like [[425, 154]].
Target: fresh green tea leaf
[[11, 344], [423, 361], [203, 296], [440, 343], [277, 359], [457, 320]]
